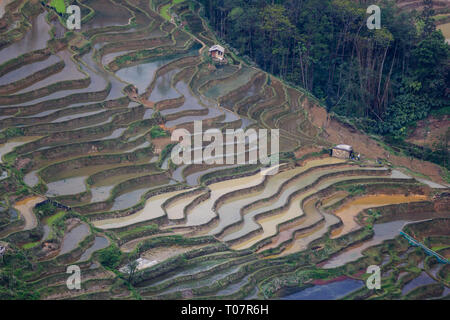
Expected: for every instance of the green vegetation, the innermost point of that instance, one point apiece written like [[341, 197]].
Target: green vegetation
[[12, 286], [440, 154], [446, 175], [365, 76], [56, 225], [165, 152], [110, 257], [23, 191], [437, 248], [10, 133], [30, 245], [373, 216], [165, 10], [387, 78], [354, 190], [53, 219], [441, 112], [59, 5], [138, 230], [157, 132], [46, 210]]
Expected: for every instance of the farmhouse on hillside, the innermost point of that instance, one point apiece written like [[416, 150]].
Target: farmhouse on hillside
[[342, 151], [217, 52]]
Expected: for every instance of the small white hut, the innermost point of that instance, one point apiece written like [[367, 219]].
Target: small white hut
[[342, 151], [217, 52]]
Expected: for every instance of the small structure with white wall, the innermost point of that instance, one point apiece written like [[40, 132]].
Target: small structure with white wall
[[217, 52], [342, 151]]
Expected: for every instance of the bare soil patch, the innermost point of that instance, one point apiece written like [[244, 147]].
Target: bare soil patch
[[430, 131]]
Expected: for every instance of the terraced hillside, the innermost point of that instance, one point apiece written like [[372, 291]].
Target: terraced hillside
[[86, 177]]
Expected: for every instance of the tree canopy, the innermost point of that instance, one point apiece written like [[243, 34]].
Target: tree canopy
[[387, 78]]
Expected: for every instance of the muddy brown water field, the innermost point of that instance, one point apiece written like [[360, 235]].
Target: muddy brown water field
[[85, 135]]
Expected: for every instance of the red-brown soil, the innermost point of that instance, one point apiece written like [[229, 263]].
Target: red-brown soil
[[160, 143], [430, 131], [306, 150]]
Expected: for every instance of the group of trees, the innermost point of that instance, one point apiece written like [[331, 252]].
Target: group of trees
[[388, 77]]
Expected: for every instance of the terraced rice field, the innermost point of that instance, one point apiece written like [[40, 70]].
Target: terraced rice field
[[86, 119]]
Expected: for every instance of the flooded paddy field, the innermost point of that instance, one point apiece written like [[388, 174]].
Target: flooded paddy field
[[73, 238], [200, 267], [278, 200], [421, 280], [36, 38], [203, 213], [69, 72], [331, 291], [175, 211], [269, 224], [66, 186], [382, 232], [312, 216], [151, 210], [26, 70], [9, 146], [128, 199], [225, 86], [107, 13], [99, 243], [141, 75], [86, 119], [349, 211], [229, 212], [202, 282]]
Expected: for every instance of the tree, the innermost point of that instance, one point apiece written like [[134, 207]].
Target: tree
[[427, 17], [325, 47], [110, 257], [277, 30], [406, 109], [132, 267], [430, 64]]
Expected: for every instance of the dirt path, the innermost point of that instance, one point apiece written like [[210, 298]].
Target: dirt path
[[25, 207]]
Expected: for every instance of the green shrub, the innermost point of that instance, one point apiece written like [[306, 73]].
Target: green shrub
[[11, 132], [59, 5], [141, 229], [22, 191], [157, 132], [110, 257], [356, 190]]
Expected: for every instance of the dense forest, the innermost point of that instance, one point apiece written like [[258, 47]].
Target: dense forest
[[384, 79]]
